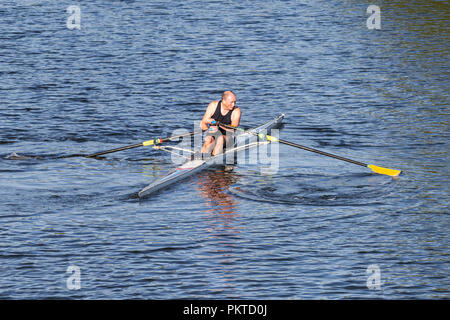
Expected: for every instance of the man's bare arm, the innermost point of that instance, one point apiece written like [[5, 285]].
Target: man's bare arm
[[208, 114]]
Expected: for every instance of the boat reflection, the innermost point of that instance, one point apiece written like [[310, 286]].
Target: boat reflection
[[213, 186], [222, 229]]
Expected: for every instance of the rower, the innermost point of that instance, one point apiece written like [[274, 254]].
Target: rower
[[224, 111]]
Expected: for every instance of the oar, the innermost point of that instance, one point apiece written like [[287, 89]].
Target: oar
[[142, 144], [380, 170]]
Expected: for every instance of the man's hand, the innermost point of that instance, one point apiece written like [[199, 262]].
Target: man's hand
[[213, 127]]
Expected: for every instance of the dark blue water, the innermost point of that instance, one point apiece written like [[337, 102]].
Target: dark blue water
[[142, 69]]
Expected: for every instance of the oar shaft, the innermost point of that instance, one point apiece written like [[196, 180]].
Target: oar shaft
[[274, 139], [93, 155], [380, 170], [142, 144], [321, 152]]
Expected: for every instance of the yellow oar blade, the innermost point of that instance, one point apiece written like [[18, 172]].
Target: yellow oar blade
[[381, 170]]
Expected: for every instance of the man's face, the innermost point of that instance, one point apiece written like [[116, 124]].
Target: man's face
[[229, 102]]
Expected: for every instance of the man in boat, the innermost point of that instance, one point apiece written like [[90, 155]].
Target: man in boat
[[224, 111]]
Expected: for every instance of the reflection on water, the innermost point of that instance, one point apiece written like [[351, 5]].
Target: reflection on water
[[221, 227], [213, 186]]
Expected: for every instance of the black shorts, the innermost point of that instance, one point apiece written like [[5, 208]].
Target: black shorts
[[218, 133]]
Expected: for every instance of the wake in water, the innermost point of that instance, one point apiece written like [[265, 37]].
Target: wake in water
[[16, 156], [349, 190]]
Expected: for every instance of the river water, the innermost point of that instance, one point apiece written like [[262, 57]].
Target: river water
[[315, 228]]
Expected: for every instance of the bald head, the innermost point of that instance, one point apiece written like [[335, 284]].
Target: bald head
[[228, 95]]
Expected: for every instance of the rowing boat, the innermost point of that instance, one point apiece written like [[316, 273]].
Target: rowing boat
[[244, 141]]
